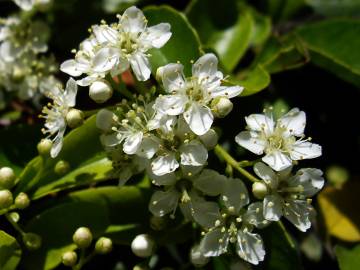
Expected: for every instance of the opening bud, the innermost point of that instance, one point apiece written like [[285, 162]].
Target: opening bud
[[74, 118], [44, 147], [69, 258], [100, 91], [221, 106], [103, 245], [22, 200], [7, 178], [259, 190], [143, 245], [6, 199], [83, 237], [62, 167], [32, 241], [197, 258]]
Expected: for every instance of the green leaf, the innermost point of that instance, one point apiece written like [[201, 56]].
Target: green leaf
[[262, 28], [224, 27], [282, 10], [254, 81], [349, 259], [10, 252], [334, 45], [335, 7], [184, 44]]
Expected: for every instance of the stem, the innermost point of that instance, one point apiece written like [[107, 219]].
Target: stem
[[4, 211], [83, 259], [221, 152], [14, 224], [287, 235]]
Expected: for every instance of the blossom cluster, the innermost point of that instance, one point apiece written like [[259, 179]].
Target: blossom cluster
[[168, 136]]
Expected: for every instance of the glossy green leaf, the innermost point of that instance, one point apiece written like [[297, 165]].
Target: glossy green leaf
[[262, 27], [282, 10], [348, 258], [224, 27], [10, 252], [335, 7], [334, 45], [184, 44], [254, 81]]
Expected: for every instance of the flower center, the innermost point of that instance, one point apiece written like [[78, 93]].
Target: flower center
[[129, 43]]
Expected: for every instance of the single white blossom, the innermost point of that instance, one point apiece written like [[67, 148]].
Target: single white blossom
[[281, 141], [55, 114], [191, 97], [288, 195]]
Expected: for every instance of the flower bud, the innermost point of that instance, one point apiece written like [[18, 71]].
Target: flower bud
[[44, 147], [82, 237], [62, 167], [259, 190], [7, 178], [103, 245], [69, 258], [197, 258], [22, 200], [221, 106], [209, 139], [6, 199], [32, 241], [104, 119], [143, 245], [74, 118], [100, 91]]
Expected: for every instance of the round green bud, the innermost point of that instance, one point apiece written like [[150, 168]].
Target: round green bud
[[7, 178], [103, 245], [14, 216], [44, 147], [143, 245], [6, 199], [83, 237], [22, 200], [100, 91], [62, 167], [221, 106], [197, 258], [260, 190], [32, 241], [74, 118], [69, 258]]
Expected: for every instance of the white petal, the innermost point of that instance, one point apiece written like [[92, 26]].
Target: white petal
[[250, 141], [105, 59], [214, 243], [132, 143], [70, 92], [199, 118], [250, 247], [105, 34], [157, 35], [163, 203], [260, 122], [104, 119], [310, 179], [206, 213], [70, 67], [163, 180], [210, 139], [58, 142], [272, 207], [109, 139], [294, 122], [133, 20], [172, 76], [194, 154], [87, 80], [305, 150], [225, 91], [297, 212], [164, 164], [141, 66], [234, 195], [277, 160], [148, 148], [210, 182], [254, 215], [266, 174], [171, 104], [9, 52], [205, 66]]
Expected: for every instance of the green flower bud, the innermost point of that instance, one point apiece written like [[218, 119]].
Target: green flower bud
[[221, 106], [7, 178], [82, 237], [143, 245], [14, 216], [32, 241], [69, 258], [44, 147], [103, 245], [62, 167], [259, 190], [74, 118], [210, 139], [197, 258], [22, 200], [100, 91], [6, 199]]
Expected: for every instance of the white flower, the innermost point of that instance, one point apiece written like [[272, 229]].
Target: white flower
[[55, 114], [119, 46], [30, 4], [192, 96], [289, 195], [278, 140]]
